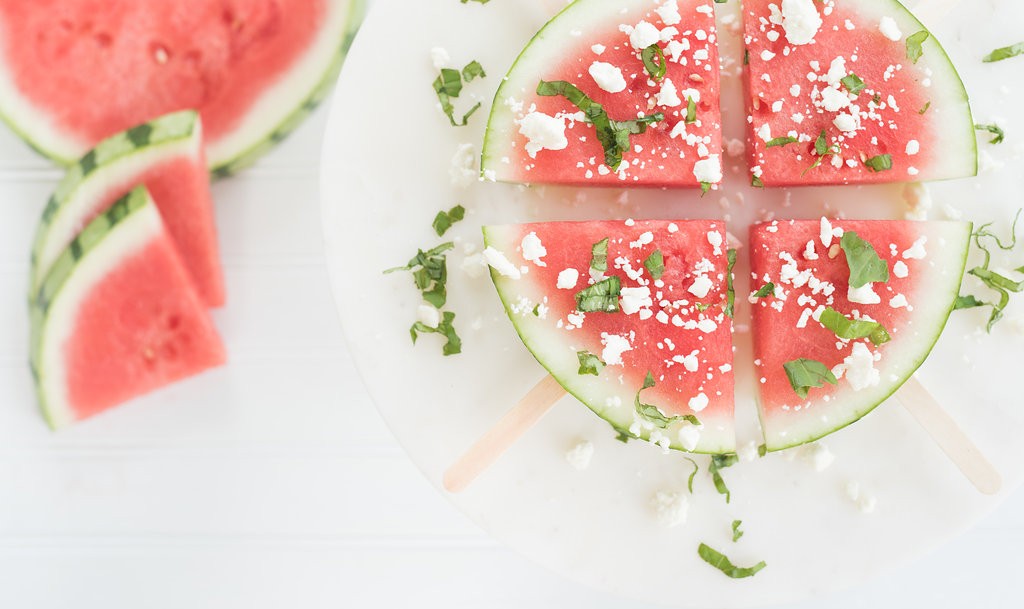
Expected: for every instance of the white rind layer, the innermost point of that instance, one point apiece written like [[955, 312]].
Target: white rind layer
[[949, 244], [129, 237], [610, 399]]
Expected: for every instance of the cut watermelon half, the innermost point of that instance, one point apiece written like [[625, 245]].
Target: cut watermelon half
[[836, 96], [73, 72], [598, 46], [166, 155], [671, 321], [117, 316], [808, 268]]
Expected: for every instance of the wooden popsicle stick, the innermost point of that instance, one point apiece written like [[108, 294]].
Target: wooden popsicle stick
[[950, 438], [503, 435]]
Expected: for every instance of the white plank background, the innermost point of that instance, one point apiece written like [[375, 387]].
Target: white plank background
[[272, 482]]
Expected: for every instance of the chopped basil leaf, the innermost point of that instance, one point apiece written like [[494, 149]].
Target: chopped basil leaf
[[613, 135], [448, 86], [996, 281], [756, 182], [877, 99], [821, 143], [705, 188], [718, 463], [765, 291], [536, 310], [655, 264], [736, 531], [1005, 53], [999, 284], [602, 297], [654, 61], [589, 363], [693, 474], [968, 302], [430, 273], [804, 374], [914, 42], [853, 329], [925, 108], [781, 141], [882, 162], [823, 149], [730, 289], [444, 328], [853, 83], [624, 436], [995, 130], [652, 414], [444, 220], [762, 450], [719, 561], [691, 110], [599, 255], [721, 1], [865, 265]]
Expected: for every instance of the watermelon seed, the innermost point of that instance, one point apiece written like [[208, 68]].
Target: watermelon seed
[[160, 54], [696, 78]]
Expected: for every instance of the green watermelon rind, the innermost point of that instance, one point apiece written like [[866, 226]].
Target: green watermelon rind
[[132, 215], [566, 371], [223, 167], [109, 163], [954, 258]]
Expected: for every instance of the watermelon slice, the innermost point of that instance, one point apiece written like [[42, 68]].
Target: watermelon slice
[[806, 265], [599, 47], [669, 321], [167, 156], [850, 93], [117, 316], [73, 72]]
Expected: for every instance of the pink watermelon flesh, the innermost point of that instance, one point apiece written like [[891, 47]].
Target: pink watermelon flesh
[[805, 263], [661, 335], [141, 328], [925, 127], [656, 158], [98, 67]]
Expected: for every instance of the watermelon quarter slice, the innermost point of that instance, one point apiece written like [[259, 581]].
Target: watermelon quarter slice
[[810, 323], [850, 93], [74, 72], [632, 99], [166, 155], [632, 318], [117, 316]]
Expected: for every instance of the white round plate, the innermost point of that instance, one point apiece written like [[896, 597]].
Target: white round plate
[[386, 174]]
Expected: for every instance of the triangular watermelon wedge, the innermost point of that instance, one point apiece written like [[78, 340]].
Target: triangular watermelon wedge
[[632, 318], [117, 316], [75, 72], [166, 155], [809, 322], [605, 130], [851, 93]]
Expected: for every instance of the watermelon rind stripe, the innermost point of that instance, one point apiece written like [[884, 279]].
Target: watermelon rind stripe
[[124, 228], [548, 348], [114, 160], [948, 266]]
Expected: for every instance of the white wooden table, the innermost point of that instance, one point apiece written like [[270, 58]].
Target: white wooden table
[[272, 482]]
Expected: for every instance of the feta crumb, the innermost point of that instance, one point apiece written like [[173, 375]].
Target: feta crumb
[[500, 263], [598, 49], [698, 402], [826, 232], [800, 20], [635, 299], [669, 12], [818, 456], [533, 249], [579, 456], [748, 452], [900, 269], [859, 368], [701, 286], [567, 279], [607, 76], [668, 95], [644, 35], [440, 58], [889, 29], [863, 295], [898, 301], [708, 170], [689, 436], [913, 147], [917, 251], [543, 132], [428, 315], [463, 171], [614, 347]]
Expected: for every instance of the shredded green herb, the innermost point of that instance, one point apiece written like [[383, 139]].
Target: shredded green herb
[[589, 363], [430, 273], [853, 329], [853, 83], [1005, 53], [865, 264], [781, 141], [445, 219], [882, 162], [804, 374], [654, 61], [730, 289], [914, 42], [599, 255], [655, 264], [719, 561], [765, 291], [446, 328], [718, 463], [602, 297], [737, 533], [756, 182], [997, 132], [1001, 285], [652, 414], [448, 86]]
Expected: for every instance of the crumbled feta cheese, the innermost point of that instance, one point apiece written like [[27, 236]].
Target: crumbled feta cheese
[[898, 301], [598, 49], [859, 368], [834, 100], [607, 76], [748, 452], [644, 35], [715, 239], [847, 122], [671, 508], [701, 286], [708, 170], [913, 147], [669, 12], [889, 29], [800, 20], [916, 251], [826, 232], [635, 299], [440, 58], [428, 315], [533, 249], [698, 402], [668, 95], [614, 347], [900, 270], [567, 279], [863, 295], [579, 456], [543, 132], [818, 456], [500, 263], [689, 436]]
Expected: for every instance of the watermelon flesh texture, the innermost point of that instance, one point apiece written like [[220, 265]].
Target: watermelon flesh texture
[[802, 259], [688, 351], [917, 113], [246, 65], [118, 316], [171, 163], [666, 155]]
